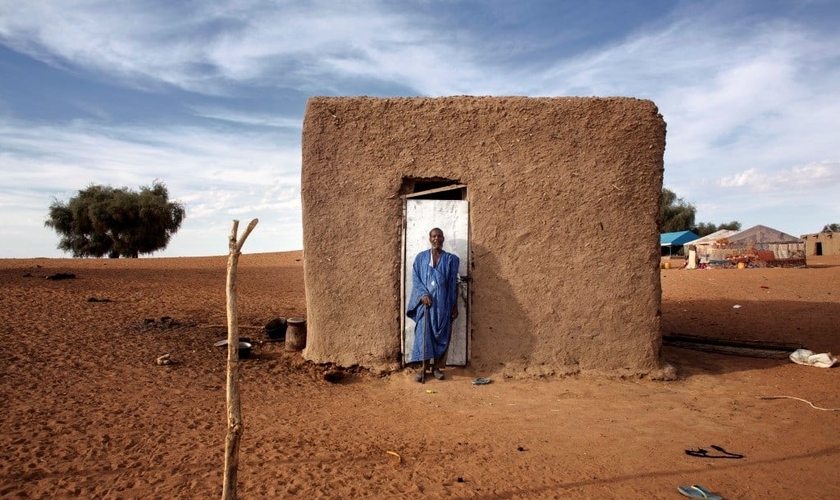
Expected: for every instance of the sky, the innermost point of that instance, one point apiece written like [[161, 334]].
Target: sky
[[208, 97]]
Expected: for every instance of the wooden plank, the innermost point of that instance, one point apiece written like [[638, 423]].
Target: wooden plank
[[436, 190]]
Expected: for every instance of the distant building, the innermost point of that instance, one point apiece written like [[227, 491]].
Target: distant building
[[821, 244]]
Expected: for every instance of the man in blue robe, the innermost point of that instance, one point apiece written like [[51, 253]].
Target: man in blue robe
[[433, 304]]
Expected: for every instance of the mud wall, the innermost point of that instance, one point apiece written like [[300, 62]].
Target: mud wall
[[564, 195], [829, 243]]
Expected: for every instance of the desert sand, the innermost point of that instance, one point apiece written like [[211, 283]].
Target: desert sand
[[87, 413]]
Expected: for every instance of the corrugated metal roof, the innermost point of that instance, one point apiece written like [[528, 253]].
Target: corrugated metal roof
[[677, 238]]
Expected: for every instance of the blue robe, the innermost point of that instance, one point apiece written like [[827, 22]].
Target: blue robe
[[441, 284]]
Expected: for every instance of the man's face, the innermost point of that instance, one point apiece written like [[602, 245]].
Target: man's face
[[436, 239]]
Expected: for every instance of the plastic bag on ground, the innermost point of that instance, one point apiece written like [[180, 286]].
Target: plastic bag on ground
[[806, 357]]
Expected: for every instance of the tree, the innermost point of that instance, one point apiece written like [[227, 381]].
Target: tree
[[675, 214], [831, 228], [706, 228], [732, 226], [118, 222]]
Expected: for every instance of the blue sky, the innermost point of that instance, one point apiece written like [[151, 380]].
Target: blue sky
[[208, 97]]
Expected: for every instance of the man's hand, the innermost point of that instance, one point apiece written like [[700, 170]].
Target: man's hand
[[455, 313], [426, 300]]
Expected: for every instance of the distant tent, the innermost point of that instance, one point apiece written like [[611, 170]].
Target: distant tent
[[758, 245], [767, 239], [713, 237], [671, 243], [763, 234], [718, 238]]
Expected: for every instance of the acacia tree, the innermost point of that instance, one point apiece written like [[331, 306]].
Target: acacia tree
[[831, 228], [675, 214], [118, 222]]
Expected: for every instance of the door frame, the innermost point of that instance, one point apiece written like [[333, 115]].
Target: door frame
[[464, 281]]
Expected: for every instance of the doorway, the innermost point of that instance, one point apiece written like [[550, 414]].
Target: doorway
[[447, 208]]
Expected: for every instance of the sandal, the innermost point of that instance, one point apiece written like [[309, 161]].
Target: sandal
[[697, 491]]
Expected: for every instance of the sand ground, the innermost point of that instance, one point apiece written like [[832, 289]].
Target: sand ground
[[88, 414]]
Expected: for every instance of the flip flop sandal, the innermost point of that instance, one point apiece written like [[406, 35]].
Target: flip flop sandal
[[438, 374], [697, 491]]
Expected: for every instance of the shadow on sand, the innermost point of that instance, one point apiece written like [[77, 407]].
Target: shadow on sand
[[806, 324]]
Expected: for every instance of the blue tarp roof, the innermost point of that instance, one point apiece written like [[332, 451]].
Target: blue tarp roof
[[676, 239]]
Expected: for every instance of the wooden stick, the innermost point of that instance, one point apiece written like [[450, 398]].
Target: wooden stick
[[234, 415]]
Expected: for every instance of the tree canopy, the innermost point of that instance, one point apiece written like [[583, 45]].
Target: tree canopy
[[831, 228], [118, 222], [706, 228], [676, 214]]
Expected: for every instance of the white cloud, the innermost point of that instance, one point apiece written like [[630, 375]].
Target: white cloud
[[240, 117], [801, 179], [205, 50]]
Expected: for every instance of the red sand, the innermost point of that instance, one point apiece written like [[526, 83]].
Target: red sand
[[88, 413]]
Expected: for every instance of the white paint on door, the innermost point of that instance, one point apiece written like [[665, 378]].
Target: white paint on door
[[452, 217]]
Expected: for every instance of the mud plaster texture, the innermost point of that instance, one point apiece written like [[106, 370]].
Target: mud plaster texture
[[829, 243], [564, 248]]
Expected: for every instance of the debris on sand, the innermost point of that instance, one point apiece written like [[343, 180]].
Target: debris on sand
[[61, 276]]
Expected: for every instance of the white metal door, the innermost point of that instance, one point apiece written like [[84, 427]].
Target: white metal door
[[451, 216]]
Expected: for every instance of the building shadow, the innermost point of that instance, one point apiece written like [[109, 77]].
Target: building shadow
[[502, 337]]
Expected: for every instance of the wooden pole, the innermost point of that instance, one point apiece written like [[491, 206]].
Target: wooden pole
[[234, 415]]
